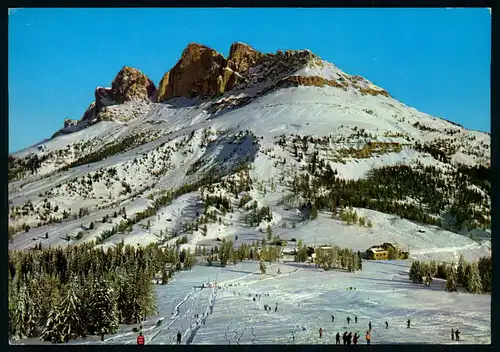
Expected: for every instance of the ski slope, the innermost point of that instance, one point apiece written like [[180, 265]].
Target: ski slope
[[306, 298]]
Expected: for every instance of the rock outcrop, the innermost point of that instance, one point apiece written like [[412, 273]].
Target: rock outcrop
[[130, 84], [103, 97], [242, 57], [70, 122], [203, 72], [199, 72]]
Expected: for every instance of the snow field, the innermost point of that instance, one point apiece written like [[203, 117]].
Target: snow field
[[306, 298]]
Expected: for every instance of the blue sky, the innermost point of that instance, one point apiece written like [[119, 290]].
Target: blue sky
[[436, 60]]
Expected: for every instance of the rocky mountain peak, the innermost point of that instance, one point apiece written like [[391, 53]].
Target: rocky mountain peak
[[243, 56], [130, 84]]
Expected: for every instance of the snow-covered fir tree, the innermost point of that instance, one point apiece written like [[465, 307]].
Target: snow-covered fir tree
[[474, 284], [65, 321], [451, 279], [102, 316], [24, 314], [461, 275], [416, 273]]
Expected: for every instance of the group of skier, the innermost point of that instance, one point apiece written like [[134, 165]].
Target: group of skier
[[268, 308], [349, 338]]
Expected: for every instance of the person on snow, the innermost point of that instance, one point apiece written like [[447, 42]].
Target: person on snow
[[276, 309], [370, 326], [344, 338], [452, 334], [178, 337], [293, 336], [254, 299], [337, 339], [457, 335], [140, 339], [386, 325], [368, 337], [409, 322], [355, 319], [348, 320], [355, 338], [349, 338], [320, 332], [333, 319]]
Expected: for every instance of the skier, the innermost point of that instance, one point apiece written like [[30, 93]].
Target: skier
[[452, 334], [386, 325], [348, 320], [320, 332], [408, 323], [178, 337], [337, 339], [276, 309], [457, 335], [140, 339], [355, 338], [254, 299], [368, 337], [349, 338], [344, 338], [293, 336], [355, 319], [370, 326]]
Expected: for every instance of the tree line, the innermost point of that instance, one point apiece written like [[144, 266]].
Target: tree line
[[59, 294], [475, 277]]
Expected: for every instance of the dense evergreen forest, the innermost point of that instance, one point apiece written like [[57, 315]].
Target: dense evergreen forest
[[475, 277], [420, 193]]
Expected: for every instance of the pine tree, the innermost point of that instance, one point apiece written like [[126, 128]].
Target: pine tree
[[451, 279], [64, 321], [101, 309], [485, 268], [462, 266], [262, 267], [24, 314], [164, 276], [474, 284], [416, 273], [314, 213]]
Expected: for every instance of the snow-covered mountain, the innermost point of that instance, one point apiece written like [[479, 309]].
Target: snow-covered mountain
[[288, 131]]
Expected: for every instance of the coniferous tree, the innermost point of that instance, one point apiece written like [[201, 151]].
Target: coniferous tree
[[164, 276], [24, 313], [64, 321], [462, 266], [101, 309], [474, 284], [451, 279], [262, 267], [484, 266], [314, 213], [416, 273]]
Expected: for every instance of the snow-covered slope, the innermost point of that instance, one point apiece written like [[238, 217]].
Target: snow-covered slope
[[149, 148]]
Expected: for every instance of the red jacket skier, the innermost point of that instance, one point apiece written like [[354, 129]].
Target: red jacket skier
[[140, 339]]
